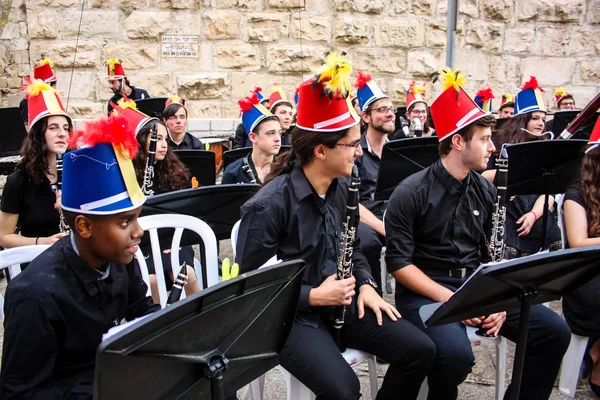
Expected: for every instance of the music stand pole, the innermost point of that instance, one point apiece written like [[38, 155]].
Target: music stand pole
[[526, 298]]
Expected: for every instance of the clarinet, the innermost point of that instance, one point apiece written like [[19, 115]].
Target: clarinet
[[149, 173], [350, 225], [248, 170], [499, 216], [583, 116], [63, 227], [175, 294]]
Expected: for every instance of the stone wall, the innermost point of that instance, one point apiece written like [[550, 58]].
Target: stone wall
[[245, 43]]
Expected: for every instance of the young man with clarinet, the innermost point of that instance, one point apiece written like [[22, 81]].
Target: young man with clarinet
[[301, 213], [59, 307], [438, 228]]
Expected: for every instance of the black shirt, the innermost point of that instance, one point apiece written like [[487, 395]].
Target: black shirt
[[575, 193], [288, 219], [438, 223], [189, 142], [56, 313], [136, 94], [33, 203], [241, 171], [368, 170], [24, 110], [241, 138]]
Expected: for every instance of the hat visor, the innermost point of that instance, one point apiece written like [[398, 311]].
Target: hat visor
[[48, 114], [464, 126], [120, 206]]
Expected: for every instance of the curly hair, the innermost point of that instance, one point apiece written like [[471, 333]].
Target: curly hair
[[171, 173], [34, 151], [590, 178]]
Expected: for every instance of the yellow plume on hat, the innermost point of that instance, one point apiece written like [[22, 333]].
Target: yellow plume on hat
[[560, 92], [451, 78], [33, 87], [417, 89], [127, 103], [334, 74], [112, 62], [277, 88], [46, 61]]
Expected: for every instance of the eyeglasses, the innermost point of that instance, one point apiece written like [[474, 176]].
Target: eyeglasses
[[419, 112], [385, 110], [355, 144], [175, 117]]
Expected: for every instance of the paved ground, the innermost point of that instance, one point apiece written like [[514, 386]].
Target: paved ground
[[480, 384]]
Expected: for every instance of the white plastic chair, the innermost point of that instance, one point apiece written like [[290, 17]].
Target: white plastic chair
[[500, 364], [573, 358], [12, 258], [295, 389], [180, 222]]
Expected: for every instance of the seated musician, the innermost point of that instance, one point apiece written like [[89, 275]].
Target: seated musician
[[58, 308], [176, 118], [416, 109], [298, 214], [507, 107], [379, 116], [265, 136], [45, 73], [241, 138], [120, 86], [564, 102], [169, 175], [524, 213], [28, 214], [437, 225], [582, 223], [283, 109]]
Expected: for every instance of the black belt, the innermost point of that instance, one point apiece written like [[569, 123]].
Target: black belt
[[452, 273]]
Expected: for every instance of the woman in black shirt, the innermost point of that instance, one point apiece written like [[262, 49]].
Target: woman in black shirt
[[582, 223], [29, 212], [170, 174]]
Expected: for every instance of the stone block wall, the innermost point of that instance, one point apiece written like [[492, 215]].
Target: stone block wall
[[247, 43]]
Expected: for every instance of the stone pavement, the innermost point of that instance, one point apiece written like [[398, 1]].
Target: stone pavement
[[480, 385]]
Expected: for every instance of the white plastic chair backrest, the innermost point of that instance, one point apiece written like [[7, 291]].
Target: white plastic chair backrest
[[234, 236], [151, 224], [560, 199], [12, 258]]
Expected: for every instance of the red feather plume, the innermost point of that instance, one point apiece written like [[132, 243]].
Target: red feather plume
[[361, 80], [113, 129], [257, 89], [485, 94], [532, 84], [245, 105]]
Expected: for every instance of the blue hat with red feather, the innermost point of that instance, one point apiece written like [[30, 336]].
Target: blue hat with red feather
[[99, 177], [529, 99], [253, 112], [483, 98], [367, 91]]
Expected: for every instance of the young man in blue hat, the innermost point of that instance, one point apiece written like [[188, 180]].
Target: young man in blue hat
[[241, 138], [58, 308], [379, 116], [265, 136]]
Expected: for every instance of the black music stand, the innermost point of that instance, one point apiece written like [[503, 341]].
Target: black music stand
[[230, 156], [402, 158], [543, 167], [153, 106], [201, 164], [563, 118], [206, 346], [518, 283], [11, 139], [400, 111]]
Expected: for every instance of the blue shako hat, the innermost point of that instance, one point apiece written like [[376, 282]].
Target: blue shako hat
[[529, 99], [367, 91], [100, 178], [252, 112]]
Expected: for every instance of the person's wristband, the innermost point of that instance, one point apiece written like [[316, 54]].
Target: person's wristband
[[534, 215], [36, 240]]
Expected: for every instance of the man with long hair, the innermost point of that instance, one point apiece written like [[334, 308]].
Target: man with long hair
[[299, 214], [120, 86]]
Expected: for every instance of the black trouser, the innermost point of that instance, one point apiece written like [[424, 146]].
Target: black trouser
[[311, 355], [371, 243], [547, 341]]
